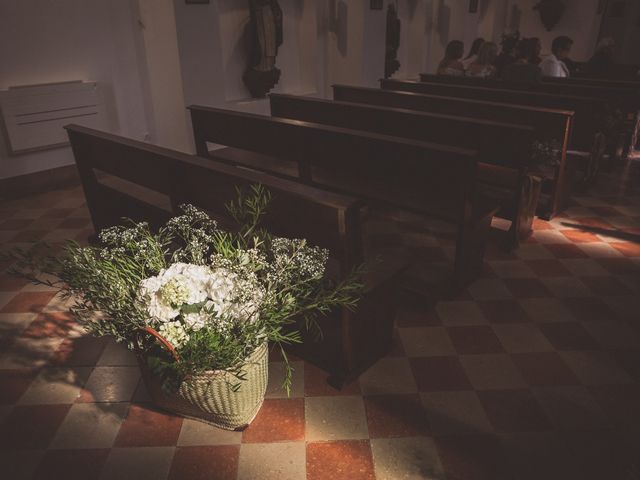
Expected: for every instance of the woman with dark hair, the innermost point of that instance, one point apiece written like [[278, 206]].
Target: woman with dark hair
[[483, 66], [473, 52], [523, 70], [451, 64], [537, 46], [506, 57]]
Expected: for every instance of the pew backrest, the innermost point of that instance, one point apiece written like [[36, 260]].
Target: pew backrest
[[497, 142], [626, 98], [549, 124], [428, 177], [589, 113], [122, 177]]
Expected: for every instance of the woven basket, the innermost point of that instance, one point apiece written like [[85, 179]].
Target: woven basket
[[209, 396]]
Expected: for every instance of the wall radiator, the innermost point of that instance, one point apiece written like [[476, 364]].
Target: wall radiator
[[33, 116]]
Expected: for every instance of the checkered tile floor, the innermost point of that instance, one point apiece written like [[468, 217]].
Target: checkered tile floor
[[533, 372]]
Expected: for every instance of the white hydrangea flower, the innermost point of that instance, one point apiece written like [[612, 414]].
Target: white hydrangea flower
[[174, 333], [233, 297], [226, 296], [173, 287], [196, 321]]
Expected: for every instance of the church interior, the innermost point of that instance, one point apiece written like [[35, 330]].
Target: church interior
[[320, 239]]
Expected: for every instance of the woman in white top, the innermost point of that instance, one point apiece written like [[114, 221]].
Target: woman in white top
[[451, 64], [483, 65], [473, 52]]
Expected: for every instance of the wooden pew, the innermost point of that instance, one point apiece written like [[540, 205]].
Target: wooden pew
[[427, 178], [126, 178], [548, 124], [623, 98], [589, 119], [504, 149], [631, 84]]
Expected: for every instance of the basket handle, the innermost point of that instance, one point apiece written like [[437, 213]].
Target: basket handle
[[163, 341]]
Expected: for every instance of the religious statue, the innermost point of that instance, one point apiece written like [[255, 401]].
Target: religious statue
[[392, 42], [266, 35]]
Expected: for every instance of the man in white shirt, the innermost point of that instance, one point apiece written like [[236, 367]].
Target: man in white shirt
[[553, 65]]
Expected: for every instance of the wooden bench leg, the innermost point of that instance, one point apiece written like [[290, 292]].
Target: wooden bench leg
[[472, 241], [527, 203]]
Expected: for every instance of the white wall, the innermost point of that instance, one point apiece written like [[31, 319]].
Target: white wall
[[155, 57], [579, 22], [53, 41], [213, 43], [161, 75]]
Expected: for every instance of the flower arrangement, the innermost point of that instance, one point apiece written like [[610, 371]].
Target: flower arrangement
[[213, 296], [546, 154]]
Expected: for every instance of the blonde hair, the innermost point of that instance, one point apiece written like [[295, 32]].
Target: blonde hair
[[487, 53]]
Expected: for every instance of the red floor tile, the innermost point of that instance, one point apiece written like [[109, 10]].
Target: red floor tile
[[29, 235], [15, 224], [513, 411], [568, 250], [527, 288], [315, 384], [50, 324], [31, 427], [472, 457], [75, 223], [279, 419], [410, 317], [618, 266], [85, 464], [600, 454], [79, 352], [13, 383], [28, 302], [621, 403], [606, 286], [144, 427], [539, 224], [544, 369], [474, 339], [439, 374], [504, 311], [340, 460], [548, 268], [568, 336], [395, 416], [580, 236], [11, 283], [57, 213], [628, 249], [205, 463], [629, 360], [589, 309]]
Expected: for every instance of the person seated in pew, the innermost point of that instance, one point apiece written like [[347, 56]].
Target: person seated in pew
[[506, 57], [601, 63], [523, 70], [553, 65], [483, 66], [473, 52], [536, 59], [451, 64]]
